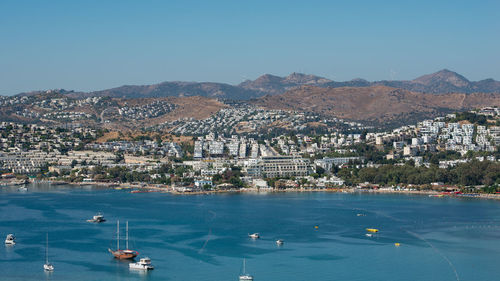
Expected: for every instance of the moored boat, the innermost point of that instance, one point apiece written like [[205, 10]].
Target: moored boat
[[245, 276], [97, 218], [119, 253], [47, 266], [143, 264], [10, 239], [372, 230], [280, 242], [254, 236]]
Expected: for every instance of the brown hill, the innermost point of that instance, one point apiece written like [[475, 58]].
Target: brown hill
[[195, 107], [380, 104]]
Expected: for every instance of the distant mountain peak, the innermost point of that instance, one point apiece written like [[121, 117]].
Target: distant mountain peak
[[302, 79], [268, 78], [444, 76]]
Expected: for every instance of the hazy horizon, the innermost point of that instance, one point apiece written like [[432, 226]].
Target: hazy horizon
[[94, 45]]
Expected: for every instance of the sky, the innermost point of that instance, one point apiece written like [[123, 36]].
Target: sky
[[93, 45]]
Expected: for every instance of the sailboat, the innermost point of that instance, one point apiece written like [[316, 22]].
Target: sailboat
[[47, 266], [122, 254], [245, 276]]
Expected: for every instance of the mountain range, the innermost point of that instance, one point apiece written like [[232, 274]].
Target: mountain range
[[441, 82]]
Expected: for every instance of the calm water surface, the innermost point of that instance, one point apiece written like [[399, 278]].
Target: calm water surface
[[204, 237]]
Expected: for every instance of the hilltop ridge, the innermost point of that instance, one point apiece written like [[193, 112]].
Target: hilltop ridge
[[443, 81]]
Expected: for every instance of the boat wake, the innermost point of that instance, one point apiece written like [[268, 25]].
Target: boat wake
[[214, 215], [437, 251], [452, 266]]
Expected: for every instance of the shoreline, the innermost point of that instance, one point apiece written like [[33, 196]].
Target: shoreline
[[152, 188]]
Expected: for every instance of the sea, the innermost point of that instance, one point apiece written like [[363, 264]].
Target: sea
[[205, 237]]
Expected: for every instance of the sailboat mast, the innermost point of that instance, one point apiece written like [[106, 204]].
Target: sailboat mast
[[118, 235], [47, 249], [127, 235]]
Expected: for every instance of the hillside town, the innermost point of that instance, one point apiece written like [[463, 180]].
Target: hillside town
[[218, 155], [244, 119]]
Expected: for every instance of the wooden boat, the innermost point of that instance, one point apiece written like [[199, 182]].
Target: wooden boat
[[122, 254]]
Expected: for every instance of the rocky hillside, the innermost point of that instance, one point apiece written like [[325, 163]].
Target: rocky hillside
[[375, 104], [177, 89], [273, 85]]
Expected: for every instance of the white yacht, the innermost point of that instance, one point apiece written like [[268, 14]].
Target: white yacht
[[97, 218], [245, 276], [279, 242], [10, 239], [254, 236], [143, 264], [47, 266]]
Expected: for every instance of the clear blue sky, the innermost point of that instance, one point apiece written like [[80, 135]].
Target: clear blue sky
[[91, 45]]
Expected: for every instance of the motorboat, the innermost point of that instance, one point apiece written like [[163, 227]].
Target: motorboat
[[122, 254], [279, 242], [10, 239], [47, 266], [22, 188], [98, 218], [143, 264], [254, 236], [372, 230], [245, 276]]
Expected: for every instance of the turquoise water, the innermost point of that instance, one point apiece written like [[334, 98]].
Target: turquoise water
[[204, 237]]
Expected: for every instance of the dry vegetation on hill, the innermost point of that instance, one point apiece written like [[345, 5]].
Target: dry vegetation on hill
[[375, 103]]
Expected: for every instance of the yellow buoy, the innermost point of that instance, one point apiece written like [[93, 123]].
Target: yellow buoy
[[397, 244]]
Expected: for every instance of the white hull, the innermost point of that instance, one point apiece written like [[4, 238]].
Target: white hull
[[254, 236], [10, 240], [246, 278], [143, 264], [48, 267], [140, 266]]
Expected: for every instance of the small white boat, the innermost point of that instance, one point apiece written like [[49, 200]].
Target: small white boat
[[143, 264], [47, 266], [245, 276], [97, 218], [279, 242], [22, 188], [369, 235], [10, 239], [254, 236]]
